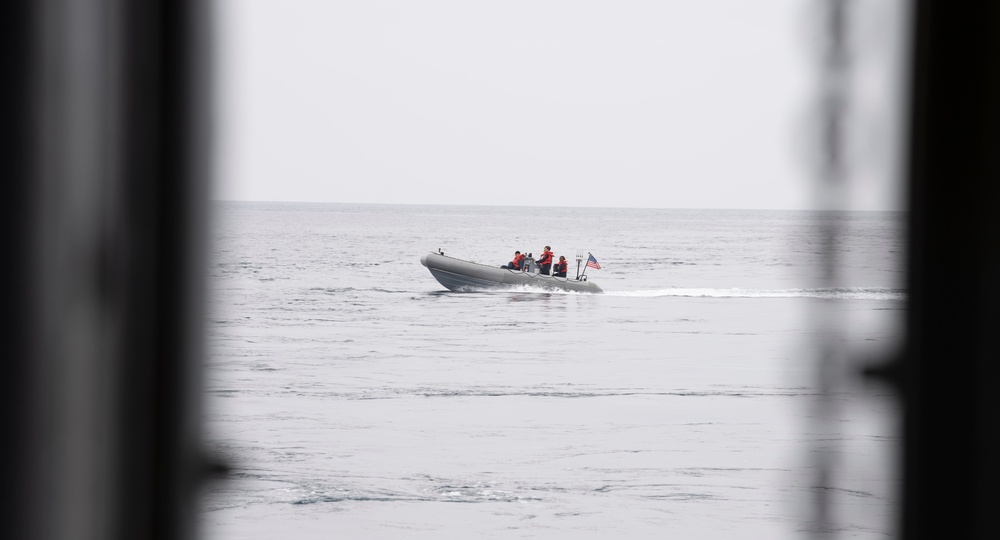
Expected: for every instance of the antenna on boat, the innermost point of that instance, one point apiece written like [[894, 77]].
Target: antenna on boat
[[579, 261]]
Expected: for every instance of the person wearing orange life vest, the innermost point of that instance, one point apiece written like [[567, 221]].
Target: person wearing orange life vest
[[545, 261], [517, 263], [561, 267]]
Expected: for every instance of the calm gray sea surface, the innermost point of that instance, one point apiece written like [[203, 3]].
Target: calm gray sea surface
[[356, 398]]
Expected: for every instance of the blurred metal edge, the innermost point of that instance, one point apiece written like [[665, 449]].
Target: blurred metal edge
[[17, 58], [105, 166], [950, 374]]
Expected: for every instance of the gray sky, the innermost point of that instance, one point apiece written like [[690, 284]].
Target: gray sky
[[660, 104]]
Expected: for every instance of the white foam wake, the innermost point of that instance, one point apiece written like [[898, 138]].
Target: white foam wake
[[518, 288], [851, 293]]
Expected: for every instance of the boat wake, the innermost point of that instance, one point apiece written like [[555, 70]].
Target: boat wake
[[851, 293], [531, 289]]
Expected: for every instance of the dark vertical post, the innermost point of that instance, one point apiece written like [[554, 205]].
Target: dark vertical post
[[951, 372], [17, 41], [104, 168], [165, 140]]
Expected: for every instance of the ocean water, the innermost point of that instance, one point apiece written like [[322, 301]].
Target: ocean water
[[355, 397]]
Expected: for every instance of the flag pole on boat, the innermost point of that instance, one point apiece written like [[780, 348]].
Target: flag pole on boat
[[591, 263]]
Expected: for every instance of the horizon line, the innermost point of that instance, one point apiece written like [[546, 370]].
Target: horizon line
[[487, 205]]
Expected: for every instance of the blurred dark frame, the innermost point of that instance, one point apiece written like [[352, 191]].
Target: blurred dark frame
[[105, 161], [104, 167], [950, 369]]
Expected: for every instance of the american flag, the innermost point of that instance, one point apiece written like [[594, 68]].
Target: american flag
[[592, 263]]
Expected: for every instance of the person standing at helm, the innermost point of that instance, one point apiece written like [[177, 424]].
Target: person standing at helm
[[545, 261], [561, 267]]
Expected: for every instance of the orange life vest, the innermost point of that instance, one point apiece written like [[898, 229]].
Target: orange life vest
[[519, 261], [561, 267], [546, 258]]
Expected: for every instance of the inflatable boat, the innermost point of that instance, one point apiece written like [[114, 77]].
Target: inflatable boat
[[461, 276]]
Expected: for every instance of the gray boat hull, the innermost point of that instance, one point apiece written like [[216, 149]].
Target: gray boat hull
[[458, 275]]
